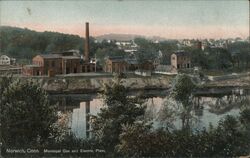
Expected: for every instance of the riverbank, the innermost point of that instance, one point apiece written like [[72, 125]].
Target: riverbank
[[243, 81], [84, 85], [93, 82]]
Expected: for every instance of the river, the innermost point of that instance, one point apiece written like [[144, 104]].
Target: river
[[209, 109]]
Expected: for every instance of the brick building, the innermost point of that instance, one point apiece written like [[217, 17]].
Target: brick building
[[32, 70], [180, 60], [120, 64], [115, 64], [47, 62], [61, 63]]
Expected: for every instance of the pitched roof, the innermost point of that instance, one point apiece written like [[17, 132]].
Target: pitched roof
[[71, 57], [181, 53], [31, 66], [50, 56], [117, 59], [4, 56], [132, 61]]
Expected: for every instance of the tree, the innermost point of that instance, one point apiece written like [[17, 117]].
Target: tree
[[182, 90], [199, 58], [147, 50], [245, 122], [226, 140], [26, 117], [24, 43], [105, 49], [118, 109], [140, 140], [167, 48], [241, 50]]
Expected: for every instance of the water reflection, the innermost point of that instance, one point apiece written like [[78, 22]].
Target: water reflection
[[80, 118], [208, 109]]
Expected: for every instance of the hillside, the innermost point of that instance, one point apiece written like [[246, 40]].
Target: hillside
[[126, 37], [24, 43], [117, 37]]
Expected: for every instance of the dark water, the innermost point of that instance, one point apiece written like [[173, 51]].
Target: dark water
[[209, 109]]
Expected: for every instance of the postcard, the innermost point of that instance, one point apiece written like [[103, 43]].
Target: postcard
[[123, 78]]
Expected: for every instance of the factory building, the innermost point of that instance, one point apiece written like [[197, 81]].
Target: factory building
[[61, 63]]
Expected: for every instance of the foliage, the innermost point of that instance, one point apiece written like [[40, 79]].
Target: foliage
[[147, 50], [227, 140], [105, 49], [24, 43], [182, 91], [211, 58], [167, 48], [240, 54], [183, 88], [26, 116], [169, 112], [199, 58], [236, 55], [118, 109]]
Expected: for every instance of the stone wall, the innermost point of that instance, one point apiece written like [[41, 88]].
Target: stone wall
[[93, 85]]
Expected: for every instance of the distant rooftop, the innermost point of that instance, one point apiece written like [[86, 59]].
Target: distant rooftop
[[181, 53]]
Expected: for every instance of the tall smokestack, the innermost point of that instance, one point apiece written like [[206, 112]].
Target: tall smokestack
[[87, 43]]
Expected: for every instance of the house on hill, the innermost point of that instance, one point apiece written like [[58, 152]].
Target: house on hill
[[5, 60]]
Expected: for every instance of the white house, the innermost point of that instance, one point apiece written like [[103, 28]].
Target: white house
[[5, 60]]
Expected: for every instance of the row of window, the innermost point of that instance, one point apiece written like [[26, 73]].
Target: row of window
[[5, 59], [4, 62], [183, 65]]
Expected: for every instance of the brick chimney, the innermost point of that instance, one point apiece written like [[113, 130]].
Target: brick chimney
[[87, 43], [199, 45]]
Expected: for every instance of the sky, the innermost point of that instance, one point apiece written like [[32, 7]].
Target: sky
[[171, 19]]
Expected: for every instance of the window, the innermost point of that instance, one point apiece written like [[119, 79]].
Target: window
[[53, 64], [173, 58]]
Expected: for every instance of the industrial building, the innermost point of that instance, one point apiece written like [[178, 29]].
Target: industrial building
[[61, 63], [120, 65]]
